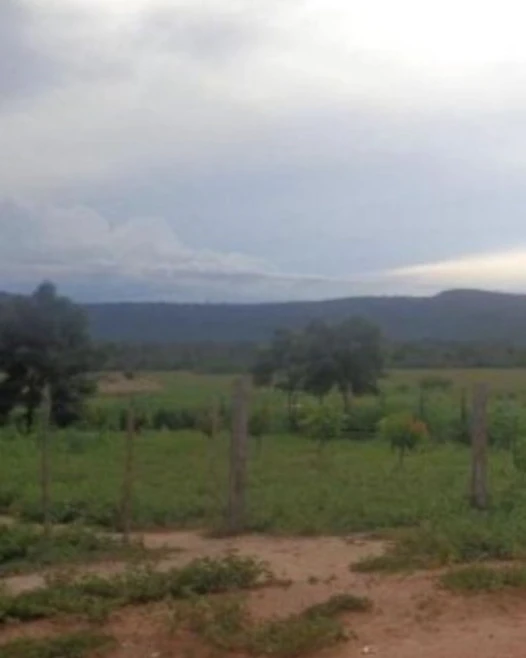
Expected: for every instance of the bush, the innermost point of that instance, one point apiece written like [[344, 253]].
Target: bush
[[435, 383], [322, 423], [503, 425], [362, 420], [404, 432]]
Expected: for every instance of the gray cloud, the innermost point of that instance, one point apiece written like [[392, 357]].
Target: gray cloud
[[81, 249], [336, 139], [24, 67]]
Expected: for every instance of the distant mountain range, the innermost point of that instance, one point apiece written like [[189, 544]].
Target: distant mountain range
[[455, 315]]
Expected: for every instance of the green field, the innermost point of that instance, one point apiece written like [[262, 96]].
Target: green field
[[294, 487]]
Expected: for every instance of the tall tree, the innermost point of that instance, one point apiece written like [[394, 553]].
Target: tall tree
[[347, 356], [44, 341], [358, 358]]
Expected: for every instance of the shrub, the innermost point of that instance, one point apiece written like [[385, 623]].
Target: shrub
[[503, 425], [435, 383], [362, 419], [322, 423], [404, 432]]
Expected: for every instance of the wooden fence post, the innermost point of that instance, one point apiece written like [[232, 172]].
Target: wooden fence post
[[44, 459], [238, 457], [127, 482], [479, 446]]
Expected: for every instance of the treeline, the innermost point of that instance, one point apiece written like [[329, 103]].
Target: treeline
[[206, 357], [225, 358], [448, 354]]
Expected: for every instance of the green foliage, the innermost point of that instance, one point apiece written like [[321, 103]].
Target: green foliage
[[25, 547], [77, 645], [483, 578], [259, 423], [295, 636], [403, 432], [519, 455], [44, 341], [322, 422], [94, 596], [347, 356], [361, 421], [452, 539], [503, 424], [338, 604], [226, 625], [435, 383]]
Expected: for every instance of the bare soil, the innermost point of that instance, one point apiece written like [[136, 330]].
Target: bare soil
[[115, 384], [412, 616]]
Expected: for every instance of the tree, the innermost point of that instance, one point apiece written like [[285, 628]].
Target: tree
[[348, 356], [282, 364], [358, 358], [44, 341], [319, 367]]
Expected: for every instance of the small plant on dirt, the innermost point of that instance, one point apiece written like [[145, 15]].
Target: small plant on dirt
[[77, 645], [481, 578], [295, 636], [339, 604], [24, 547], [404, 432], [95, 597], [226, 625]]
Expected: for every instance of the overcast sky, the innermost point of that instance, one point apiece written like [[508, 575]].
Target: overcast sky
[[248, 150]]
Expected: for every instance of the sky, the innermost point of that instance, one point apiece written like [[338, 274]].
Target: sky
[[262, 150]]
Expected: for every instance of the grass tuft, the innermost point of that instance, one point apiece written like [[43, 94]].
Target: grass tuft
[[24, 547], [76, 645], [482, 578], [95, 597], [226, 625]]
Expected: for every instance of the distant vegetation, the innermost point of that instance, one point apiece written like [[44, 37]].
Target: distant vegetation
[[454, 316]]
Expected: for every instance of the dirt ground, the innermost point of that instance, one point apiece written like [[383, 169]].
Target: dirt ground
[[412, 617], [115, 384]]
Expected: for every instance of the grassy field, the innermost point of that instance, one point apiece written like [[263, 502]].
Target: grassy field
[[296, 486], [181, 477]]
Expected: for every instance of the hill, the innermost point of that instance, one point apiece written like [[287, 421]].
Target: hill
[[457, 315]]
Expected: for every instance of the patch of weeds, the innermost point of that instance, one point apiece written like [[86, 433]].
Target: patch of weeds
[[450, 541], [295, 636], [95, 597], [24, 547], [77, 645], [339, 604], [481, 578], [226, 625]]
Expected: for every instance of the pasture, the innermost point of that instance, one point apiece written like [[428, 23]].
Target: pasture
[[295, 486], [320, 516]]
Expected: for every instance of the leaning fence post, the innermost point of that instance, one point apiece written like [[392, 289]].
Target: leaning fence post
[[127, 482], [479, 447], [238, 457]]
